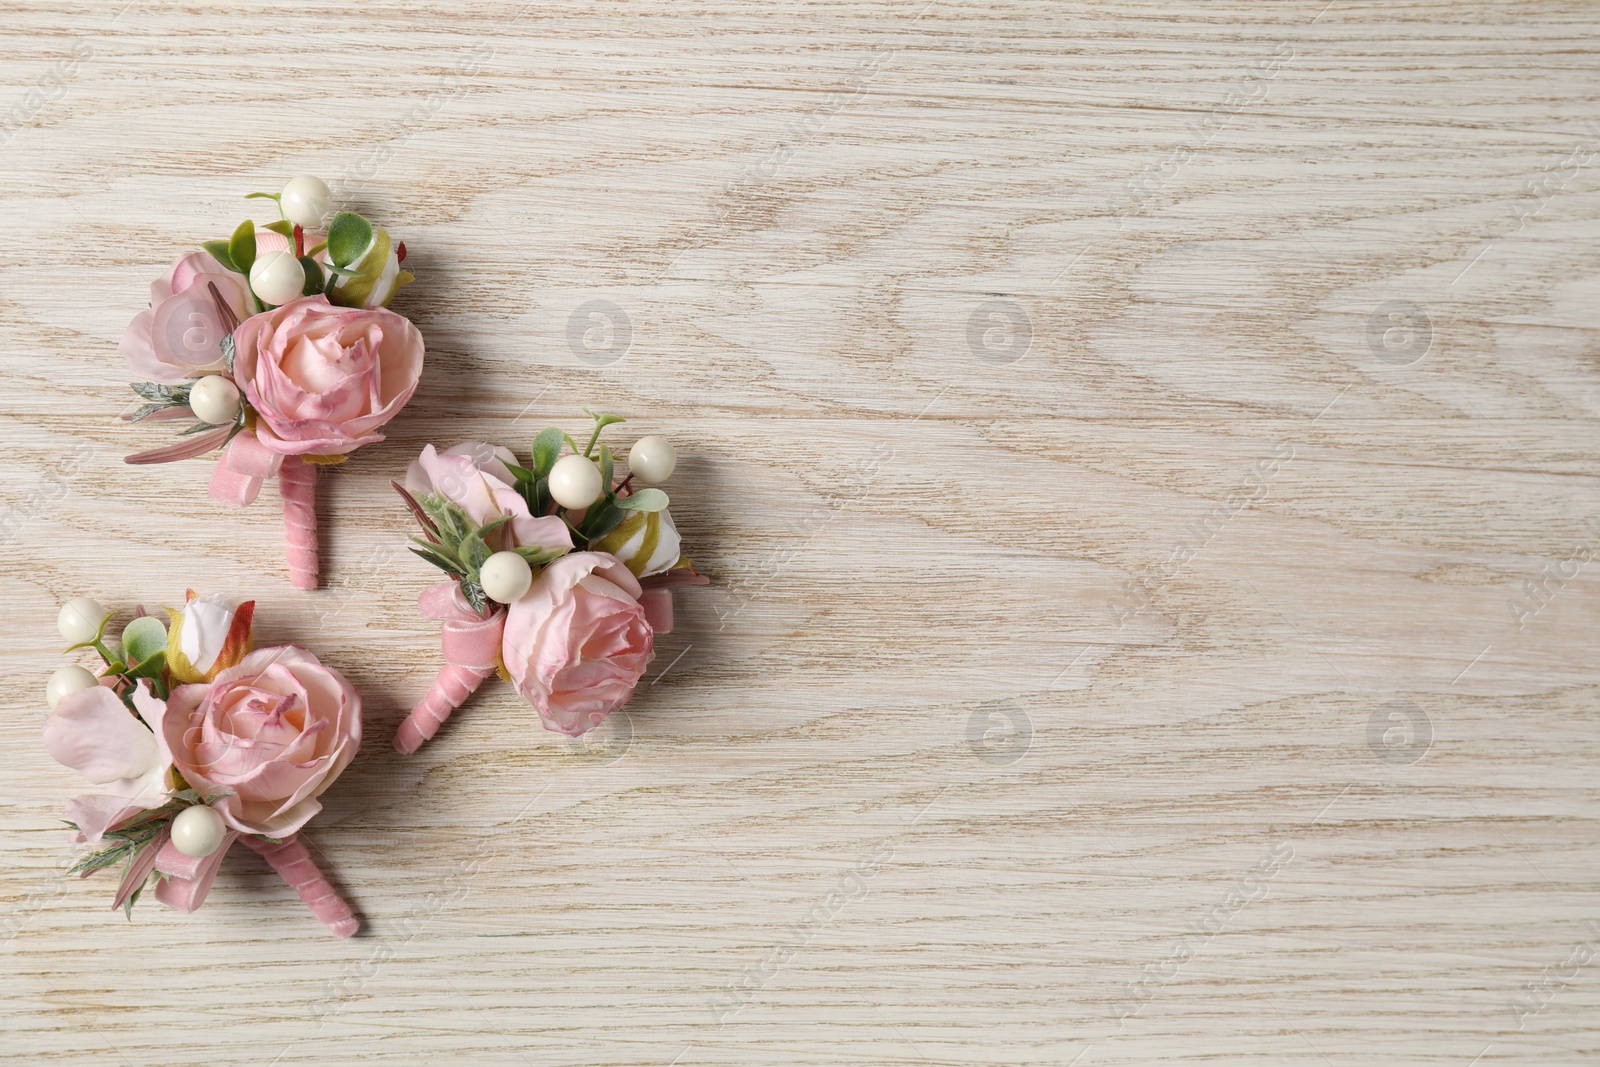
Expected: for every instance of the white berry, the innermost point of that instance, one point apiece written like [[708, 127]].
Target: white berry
[[575, 482], [306, 201], [198, 831], [214, 399], [277, 277], [652, 459], [505, 576], [80, 619], [67, 680]]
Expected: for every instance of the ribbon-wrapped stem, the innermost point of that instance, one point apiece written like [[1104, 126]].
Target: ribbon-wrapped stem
[[297, 481], [471, 646], [291, 860]]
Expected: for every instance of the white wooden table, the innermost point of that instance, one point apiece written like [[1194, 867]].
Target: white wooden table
[[1147, 461]]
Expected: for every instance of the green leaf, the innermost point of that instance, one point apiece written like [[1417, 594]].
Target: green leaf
[[262, 196], [349, 236], [537, 556], [151, 668], [282, 226], [219, 252], [522, 474], [314, 278], [490, 527], [474, 552], [143, 638], [439, 560], [643, 500], [600, 423], [199, 427], [601, 521], [228, 349], [133, 898], [474, 594], [173, 395], [546, 449], [242, 246], [607, 466]]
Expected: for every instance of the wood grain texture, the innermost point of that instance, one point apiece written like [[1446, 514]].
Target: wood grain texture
[[1119, 441]]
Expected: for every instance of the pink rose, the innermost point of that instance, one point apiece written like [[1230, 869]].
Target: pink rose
[[321, 378], [180, 335], [272, 732], [577, 642], [474, 475]]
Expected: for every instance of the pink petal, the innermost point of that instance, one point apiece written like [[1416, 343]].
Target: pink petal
[[188, 448], [94, 734]]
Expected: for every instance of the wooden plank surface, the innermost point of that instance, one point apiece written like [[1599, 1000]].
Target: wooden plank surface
[[1147, 459]]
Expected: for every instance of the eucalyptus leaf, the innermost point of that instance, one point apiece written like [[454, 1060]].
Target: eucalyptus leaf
[[242, 246], [644, 500], [143, 638], [348, 238], [150, 667], [219, 252], [546, 449], [228, 349]]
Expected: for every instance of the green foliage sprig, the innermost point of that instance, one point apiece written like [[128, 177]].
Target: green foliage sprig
[[458, 546]]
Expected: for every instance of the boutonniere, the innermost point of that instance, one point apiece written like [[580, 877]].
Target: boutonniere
[[559, 573], [192, 743], [278, 347]]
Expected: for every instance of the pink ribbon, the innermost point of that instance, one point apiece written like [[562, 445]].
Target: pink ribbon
[[656, 600], [471, 647], [657, 605], [188, 878], [245, 466], [291, 860]]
